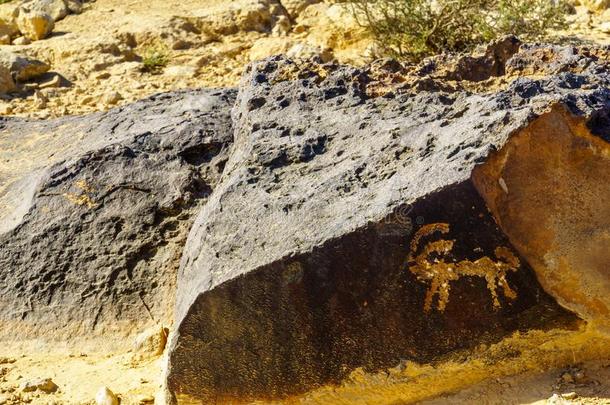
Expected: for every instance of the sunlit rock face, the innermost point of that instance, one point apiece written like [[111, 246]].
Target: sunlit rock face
[[548, 190], [347, 232]]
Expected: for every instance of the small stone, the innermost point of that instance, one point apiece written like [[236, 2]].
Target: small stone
[[180, 44], [570, 395], [307, 51], [579, 376], [145, 399], [567, 378], [281, 27], [102, 75], [7, 84], [604, 27], [54, 82], [40, 98], [181, 71], [557, 400], [86, 101], [106, 397], [113, 98], [5, 40], [43, 384], [74, 6], [21, 41], [152, 341]]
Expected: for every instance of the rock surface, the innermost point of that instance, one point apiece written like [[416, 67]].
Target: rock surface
[[95, 210], [347, 232], [344, 220]]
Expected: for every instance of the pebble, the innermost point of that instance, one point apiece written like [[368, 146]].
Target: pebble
[[113, 98], [146, 399], [106, 397], [21, 41], [570, 395], [42, 384], [54, 82]]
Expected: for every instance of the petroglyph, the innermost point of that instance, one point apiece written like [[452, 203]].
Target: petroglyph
[[440, 271]]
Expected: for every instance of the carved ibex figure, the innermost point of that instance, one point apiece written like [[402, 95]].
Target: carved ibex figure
[[440, 272]]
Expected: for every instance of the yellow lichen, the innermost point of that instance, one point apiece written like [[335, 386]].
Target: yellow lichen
[[82, 199], [440, 272]]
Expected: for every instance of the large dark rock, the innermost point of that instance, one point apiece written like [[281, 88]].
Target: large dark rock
[[346, 231], [95, 210], [338, 218]]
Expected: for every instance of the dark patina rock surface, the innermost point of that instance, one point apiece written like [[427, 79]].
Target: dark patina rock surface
[[317, 220], [346, 231], [95, 210]]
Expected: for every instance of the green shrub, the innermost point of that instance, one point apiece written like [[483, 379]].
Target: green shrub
[[414, 29], [155, 58]]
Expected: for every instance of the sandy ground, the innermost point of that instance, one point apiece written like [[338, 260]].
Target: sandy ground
[[553, 387], [79, 376]]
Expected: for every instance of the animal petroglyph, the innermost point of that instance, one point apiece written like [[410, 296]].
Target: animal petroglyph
[[439, 271]]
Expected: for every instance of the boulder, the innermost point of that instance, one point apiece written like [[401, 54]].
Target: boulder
[[368, 217], [22, 68], [34, 24], [56, 9], [95, 211]]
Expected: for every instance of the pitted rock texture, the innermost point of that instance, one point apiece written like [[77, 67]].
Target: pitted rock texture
[[338, 218], [306, 238], [95, 210]]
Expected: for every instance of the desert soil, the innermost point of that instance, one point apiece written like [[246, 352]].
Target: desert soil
[[99, 52]]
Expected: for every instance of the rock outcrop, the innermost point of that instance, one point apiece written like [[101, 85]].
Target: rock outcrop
[[347, 232], [95, 209], [340, 220]]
